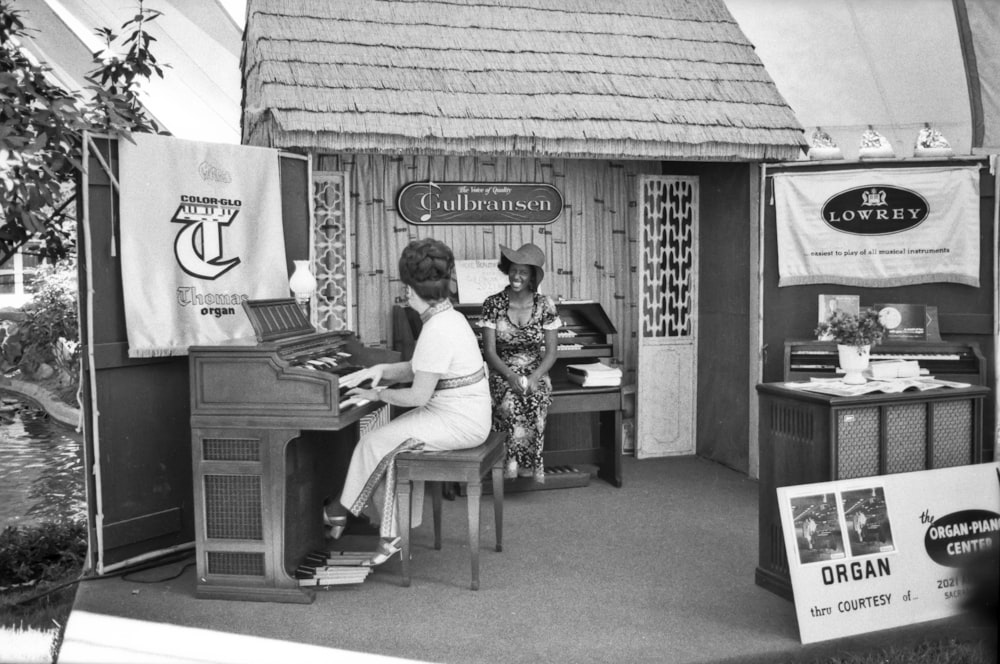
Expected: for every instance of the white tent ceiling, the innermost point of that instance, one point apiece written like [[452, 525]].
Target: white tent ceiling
[[893, 64], [199, 96], [841, 64]]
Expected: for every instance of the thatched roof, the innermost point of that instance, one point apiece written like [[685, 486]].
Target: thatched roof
[[646, 79]]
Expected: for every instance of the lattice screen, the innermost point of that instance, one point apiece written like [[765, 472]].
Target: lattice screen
[[667, 303], [332, 259]]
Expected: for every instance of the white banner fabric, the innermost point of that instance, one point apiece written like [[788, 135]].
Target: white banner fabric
[[878, 227], [201, 232]]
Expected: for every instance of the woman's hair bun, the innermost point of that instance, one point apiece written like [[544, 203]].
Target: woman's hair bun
[[426, 266]]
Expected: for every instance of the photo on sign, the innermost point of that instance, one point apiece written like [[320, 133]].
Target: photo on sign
[[817, 528], [868, 528]]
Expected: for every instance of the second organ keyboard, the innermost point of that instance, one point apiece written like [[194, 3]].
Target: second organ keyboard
[[957, 361]]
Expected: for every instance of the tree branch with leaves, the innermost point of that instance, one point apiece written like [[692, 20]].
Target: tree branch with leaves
[[42, 126]]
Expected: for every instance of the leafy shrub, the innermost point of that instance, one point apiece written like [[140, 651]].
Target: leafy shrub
[[50, 333], [48, 551]]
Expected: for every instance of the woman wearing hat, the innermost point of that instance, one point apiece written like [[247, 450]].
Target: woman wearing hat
[[519, 342], [448, 394]]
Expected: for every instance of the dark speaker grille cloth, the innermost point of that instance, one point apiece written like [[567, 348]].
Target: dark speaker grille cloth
[[233, 507], [231, 449], [241, 564], [906, 438], [858, 450], [952, 433]]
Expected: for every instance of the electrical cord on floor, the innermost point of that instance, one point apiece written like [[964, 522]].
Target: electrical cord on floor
[[166, 578], [124, 572]]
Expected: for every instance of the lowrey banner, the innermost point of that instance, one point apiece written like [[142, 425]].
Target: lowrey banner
[[873, 553], [878, 227], [200, 233]]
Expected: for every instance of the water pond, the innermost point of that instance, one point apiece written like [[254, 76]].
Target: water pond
[[41, 466]]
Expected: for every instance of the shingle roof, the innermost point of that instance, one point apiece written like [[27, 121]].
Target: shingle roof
[[648, 79]]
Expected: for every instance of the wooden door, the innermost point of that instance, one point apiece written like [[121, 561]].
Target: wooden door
[[666, 386]]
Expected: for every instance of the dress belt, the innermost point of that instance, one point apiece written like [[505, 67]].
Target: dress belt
[[460, 381]]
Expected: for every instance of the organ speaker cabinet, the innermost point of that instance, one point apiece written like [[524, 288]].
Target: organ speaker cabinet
[[272, 433], [807, 437]]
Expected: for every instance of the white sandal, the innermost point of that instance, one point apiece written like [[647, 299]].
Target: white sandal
[[385, 550]]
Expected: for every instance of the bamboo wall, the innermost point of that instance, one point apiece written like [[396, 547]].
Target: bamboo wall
[[590, 250]]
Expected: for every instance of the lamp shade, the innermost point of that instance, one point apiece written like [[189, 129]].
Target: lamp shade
[[302, 283]]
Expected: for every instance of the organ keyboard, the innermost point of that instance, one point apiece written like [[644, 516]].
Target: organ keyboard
[[272, 434], [957, 361]]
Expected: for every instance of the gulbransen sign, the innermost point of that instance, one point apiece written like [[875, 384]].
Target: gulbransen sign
[[479, 203]]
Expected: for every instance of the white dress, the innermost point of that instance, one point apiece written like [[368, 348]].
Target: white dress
[[453, 419]]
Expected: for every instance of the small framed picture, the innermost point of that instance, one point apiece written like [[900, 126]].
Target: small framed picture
[[849, 304]]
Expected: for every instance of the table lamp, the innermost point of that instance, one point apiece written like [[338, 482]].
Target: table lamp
[[302, 283]]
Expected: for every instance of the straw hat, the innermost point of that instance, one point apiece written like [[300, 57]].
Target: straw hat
[[527, 254]]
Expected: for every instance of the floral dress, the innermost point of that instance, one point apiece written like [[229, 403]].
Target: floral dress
[[521, 349]]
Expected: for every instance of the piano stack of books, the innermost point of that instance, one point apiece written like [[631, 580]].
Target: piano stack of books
[[334, 568], [595, 374]]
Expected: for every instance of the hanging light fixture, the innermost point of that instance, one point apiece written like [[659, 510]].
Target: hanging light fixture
[[931, 143], [822, 146], [874, 145]]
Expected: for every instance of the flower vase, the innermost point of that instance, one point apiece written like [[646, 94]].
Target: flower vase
[[854, 360]]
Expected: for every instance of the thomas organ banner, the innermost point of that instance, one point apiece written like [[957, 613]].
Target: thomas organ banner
[[201, 232]]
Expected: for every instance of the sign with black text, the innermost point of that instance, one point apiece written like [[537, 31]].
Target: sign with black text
[[872, 553], [479, 203]]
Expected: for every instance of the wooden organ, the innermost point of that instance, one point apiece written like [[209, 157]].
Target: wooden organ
[[584, 423], [957, 361], [272, 436], [806, 437]]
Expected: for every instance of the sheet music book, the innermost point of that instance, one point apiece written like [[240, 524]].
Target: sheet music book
[[596, 374]]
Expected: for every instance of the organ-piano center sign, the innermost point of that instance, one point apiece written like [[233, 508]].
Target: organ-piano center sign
[[479, 203]]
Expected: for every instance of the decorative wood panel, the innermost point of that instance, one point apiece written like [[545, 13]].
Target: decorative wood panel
[[668, 258], [331, 252]]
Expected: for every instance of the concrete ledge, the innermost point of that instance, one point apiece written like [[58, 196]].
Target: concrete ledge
[[56, 409]]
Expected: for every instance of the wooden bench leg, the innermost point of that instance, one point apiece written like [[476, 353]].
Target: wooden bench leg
[[475, 491], [403, 501], [498, 503], [436, 502]]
